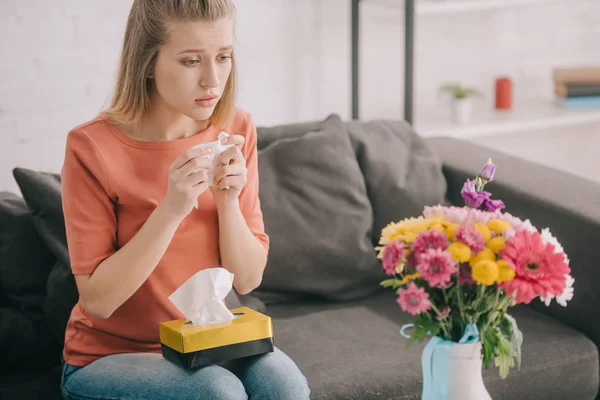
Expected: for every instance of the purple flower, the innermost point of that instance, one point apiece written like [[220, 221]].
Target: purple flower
[[493, 205], [488, 171], [469, 186], [475, 199]]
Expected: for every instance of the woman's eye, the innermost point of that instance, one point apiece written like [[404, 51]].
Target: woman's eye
[[224, 58], [190, 63]]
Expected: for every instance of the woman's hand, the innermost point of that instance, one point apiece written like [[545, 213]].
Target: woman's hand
[[231, 174], [188, 179]]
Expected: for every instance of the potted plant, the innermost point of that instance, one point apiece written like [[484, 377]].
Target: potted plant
[[461, 101]]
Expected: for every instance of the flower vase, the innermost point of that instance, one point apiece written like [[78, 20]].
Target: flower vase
[[453, 371], [465, 378], [461, 110]]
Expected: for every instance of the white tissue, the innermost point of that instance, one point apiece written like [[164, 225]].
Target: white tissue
[[217, 148], [200, 298]]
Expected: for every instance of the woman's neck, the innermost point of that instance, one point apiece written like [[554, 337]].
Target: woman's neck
[[162, 123]]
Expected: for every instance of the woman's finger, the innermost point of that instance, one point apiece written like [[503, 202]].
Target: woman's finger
[[232, 182], [188, 155], [236, 140], [193, 165], [230, 156], [196, 178], [229, 170]]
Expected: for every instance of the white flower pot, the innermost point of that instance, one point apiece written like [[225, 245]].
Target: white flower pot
[[453, 371], [461, 110], [465, 379]]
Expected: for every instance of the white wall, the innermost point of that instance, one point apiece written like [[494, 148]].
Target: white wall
[[59, 57]]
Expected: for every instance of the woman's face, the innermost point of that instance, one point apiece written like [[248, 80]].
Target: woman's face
[[192, 68]]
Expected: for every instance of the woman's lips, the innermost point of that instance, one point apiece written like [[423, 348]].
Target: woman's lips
[[207, 101]]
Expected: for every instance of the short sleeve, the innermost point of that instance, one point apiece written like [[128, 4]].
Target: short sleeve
[[249, 197], [89, 211]]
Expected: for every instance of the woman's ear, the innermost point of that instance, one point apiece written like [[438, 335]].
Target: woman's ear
[[150, 72]]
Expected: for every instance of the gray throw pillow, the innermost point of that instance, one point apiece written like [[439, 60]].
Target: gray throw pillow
[[25, 260], [402, 173], [318, 217]]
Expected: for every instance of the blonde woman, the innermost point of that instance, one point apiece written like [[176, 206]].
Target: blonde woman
[[130, 182]]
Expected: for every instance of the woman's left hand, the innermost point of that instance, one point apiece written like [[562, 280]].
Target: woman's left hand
[[231, 175]]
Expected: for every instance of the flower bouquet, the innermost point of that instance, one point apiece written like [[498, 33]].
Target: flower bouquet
[[458, 270]]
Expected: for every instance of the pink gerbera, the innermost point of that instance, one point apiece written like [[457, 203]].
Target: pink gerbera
[[392, 256], [413, 300], [436, 267], [470, 236], [432, 239], [539, 270]]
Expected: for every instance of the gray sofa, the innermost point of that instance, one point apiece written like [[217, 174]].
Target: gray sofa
[[327, 189]]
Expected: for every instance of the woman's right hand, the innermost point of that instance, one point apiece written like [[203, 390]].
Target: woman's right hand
[[188, 179]]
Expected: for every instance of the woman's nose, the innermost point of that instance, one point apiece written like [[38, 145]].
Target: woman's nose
[[210, 77]]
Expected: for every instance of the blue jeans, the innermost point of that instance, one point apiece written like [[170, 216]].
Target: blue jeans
[[149, 376]]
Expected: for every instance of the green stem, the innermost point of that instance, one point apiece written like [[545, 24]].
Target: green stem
[[461, 307], [494, 313]]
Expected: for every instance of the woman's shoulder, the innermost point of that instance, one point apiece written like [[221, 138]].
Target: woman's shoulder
[[91, 131], [241, 123]]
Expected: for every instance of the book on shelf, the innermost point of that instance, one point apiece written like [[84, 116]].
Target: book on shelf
[[581, 102], [577, 87], [577, 75]]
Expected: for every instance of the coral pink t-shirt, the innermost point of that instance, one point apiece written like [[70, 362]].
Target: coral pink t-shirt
[[110, 186]]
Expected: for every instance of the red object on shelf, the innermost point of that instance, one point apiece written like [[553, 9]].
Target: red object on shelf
[[503, 94]]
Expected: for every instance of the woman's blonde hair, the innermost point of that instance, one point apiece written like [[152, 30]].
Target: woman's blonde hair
[[145, 33]]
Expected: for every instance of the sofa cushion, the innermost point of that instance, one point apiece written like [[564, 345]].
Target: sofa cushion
[[25, 260], [402, 173], [26, 344], [355, 351], [317, 214]]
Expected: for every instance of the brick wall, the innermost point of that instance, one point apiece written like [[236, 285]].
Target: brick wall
[[59, 58]]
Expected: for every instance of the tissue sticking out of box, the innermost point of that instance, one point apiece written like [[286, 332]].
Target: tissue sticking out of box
[[200, 298]]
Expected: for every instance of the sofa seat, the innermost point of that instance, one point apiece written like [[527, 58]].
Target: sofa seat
[[354, 351]]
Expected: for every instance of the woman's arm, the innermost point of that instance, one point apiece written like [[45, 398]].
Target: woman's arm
[[118, 277], [241, 252], [242, 239]]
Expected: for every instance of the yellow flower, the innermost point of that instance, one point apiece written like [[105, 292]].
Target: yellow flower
[[451, 229], [496, 244], [505, 272], [460, 251], [405, 230], [498, 225], [484, 230], [485, 254], [409, 277], [486, 272], [399, 268]]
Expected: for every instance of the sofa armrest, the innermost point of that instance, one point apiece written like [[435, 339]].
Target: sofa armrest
[[568, 205]]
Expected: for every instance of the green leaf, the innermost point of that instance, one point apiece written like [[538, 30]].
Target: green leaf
[[424, 327], [490, 344], [516, 339], [504, 360], [393, 283]]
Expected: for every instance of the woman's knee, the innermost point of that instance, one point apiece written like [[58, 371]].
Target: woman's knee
[[229, 388], [274, 376]]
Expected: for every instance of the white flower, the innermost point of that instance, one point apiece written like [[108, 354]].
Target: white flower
[[547, 238], [565, 296]]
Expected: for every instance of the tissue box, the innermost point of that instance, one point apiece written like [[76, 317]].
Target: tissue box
[[192, 346]]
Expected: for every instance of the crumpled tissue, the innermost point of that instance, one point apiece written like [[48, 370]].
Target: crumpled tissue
[[200, 298]]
